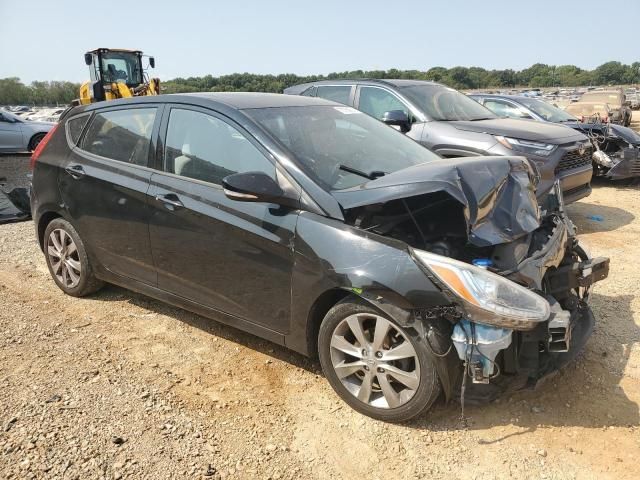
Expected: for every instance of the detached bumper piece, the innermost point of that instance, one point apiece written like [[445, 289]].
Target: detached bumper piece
[[626, 164], [577, 275]]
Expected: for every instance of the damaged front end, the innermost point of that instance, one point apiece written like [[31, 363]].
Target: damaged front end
[[616, 150], [517, 279]]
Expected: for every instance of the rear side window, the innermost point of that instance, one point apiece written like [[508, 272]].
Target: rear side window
[[204, 147], [75, 127], [123, 135], [337, 93]]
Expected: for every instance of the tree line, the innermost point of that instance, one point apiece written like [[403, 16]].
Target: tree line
[[14, 92]]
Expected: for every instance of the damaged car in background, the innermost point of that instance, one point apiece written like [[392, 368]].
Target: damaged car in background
[[318, 227], [615, 151]]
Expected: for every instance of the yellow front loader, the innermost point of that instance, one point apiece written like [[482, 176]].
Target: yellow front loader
[[116, 73]]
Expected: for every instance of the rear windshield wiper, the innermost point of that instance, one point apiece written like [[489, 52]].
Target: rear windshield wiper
[[371, 176]]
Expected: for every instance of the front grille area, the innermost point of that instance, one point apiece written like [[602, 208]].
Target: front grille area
[[573, 159]]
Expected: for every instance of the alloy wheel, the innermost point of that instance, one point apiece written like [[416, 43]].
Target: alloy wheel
[[375, 361], [64, 258]]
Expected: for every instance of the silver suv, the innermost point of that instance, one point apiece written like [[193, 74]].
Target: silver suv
[[453, 125]]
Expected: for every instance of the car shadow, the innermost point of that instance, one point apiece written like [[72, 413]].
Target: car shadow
[[592, 217], [586, 393], [210, 326]]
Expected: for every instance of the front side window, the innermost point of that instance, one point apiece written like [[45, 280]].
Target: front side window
[[206, 148], [123, 135], [330, 142], [336, 93], [376, 101]]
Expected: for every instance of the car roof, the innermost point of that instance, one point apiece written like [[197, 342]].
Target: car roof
[[242, 100], [233, 100], [399, 82]]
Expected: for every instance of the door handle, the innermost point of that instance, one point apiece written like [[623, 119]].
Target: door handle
[[76, 171], [170, 199]]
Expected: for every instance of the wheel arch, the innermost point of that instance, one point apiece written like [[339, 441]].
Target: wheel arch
[[43, 134], [45, 219]]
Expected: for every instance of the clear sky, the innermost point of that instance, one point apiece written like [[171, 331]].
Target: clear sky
[[46, 39]]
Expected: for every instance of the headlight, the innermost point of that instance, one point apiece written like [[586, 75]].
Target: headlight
[[487, 298], [526, 146]]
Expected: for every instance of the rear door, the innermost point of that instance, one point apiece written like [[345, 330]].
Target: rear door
[[234, 257], [10, 134], [104, 186]]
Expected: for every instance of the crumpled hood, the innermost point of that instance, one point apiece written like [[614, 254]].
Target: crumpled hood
[[497, 193], [523, 129], [627, 134]]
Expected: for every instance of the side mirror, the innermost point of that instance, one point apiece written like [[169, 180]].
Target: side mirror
[[152, 62], [88, 58], [253, 187], [397, 118]]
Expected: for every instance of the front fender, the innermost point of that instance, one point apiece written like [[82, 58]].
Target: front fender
[[333, 256]]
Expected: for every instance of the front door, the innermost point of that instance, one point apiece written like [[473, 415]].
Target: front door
[[231, 256], [104, 185]]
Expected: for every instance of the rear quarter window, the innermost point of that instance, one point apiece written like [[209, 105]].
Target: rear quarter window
[[123, 135], [75, 126]]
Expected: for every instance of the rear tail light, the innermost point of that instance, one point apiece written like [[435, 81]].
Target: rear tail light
[[43, 143]]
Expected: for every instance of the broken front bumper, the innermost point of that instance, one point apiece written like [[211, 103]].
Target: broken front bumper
[[626, 164]]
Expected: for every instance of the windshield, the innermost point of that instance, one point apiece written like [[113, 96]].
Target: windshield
[[445, 104], [546, 111], [612, 98], [121, 67], [328, 140], [587, 108]]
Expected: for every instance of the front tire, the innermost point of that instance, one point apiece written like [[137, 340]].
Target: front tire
[[67, 260], [380, 369]]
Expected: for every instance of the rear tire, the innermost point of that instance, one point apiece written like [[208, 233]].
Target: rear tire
[[390, 376], [35, 140], [67, 260]]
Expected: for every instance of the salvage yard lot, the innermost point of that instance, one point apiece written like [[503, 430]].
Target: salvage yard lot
[[121, 386]]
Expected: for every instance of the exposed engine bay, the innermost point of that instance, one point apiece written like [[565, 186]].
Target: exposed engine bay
[[537, 250], [616, 149]]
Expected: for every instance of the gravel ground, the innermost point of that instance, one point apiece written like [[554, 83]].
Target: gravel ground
[[120, 386]]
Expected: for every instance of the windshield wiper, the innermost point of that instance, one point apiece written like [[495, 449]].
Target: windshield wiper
[[371, 176]]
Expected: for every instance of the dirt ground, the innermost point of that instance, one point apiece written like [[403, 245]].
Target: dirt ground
[[121, 386]]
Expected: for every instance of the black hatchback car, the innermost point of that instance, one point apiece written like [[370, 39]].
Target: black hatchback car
[[319, 228]]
